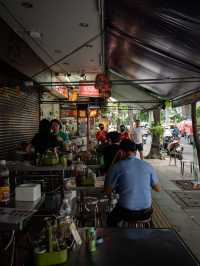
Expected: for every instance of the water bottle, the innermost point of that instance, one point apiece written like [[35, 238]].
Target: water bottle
[[66, 208]]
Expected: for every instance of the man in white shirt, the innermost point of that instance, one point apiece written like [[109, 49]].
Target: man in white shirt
[[136, 137]]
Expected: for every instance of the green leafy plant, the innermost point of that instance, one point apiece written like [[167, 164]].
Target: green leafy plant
[[157, 130]]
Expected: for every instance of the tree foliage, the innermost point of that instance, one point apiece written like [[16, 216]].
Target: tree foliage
[[144, 116], [157, 130]]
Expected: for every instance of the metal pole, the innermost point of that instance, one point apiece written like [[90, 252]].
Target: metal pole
[[195, 132], [88, 129], [77, 121]]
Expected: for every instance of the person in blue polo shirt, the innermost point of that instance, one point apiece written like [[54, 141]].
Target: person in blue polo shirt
[[133, 180]]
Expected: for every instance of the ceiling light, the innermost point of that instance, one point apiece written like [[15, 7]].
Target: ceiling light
[[57, 51], [89, 45], [35, 34], [83, 24], [68, 74], [27, 4], [28, 83], [59, 74]]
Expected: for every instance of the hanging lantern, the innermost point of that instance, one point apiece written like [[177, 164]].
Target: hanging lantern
[[102, 83], [93, 113], [82, 113]]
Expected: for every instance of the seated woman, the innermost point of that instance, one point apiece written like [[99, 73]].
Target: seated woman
[[43, 140], [61, 136]]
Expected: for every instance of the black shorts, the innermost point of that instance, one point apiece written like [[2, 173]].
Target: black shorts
[[139, 147], [119, 214]]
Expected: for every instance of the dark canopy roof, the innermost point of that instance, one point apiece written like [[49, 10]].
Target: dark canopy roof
[[155, 39]]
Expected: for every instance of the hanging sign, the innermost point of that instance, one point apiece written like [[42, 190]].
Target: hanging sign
[[68, 113], [87, 91], [62, 90]]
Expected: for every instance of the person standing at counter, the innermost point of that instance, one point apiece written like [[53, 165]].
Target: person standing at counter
[[43, 140], [61, 136], [123, 133], [133, 180], [101, 134], [137, 138]]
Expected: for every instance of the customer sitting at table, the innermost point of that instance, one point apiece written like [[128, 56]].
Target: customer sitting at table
[[61, 136], [132, 179], [43, 140], [110, 151]]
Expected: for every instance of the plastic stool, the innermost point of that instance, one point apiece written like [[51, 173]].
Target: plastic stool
[[138, 223], [183, 162]]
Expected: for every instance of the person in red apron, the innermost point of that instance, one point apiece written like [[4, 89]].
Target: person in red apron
[[123, 133]]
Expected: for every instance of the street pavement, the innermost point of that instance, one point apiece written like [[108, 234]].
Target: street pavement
[[188, 150], [185, 220]]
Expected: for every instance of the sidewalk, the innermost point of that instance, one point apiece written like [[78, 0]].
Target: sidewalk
[[185, 220]]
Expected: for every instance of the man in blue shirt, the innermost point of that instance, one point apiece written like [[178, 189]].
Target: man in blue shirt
[[132, 179]]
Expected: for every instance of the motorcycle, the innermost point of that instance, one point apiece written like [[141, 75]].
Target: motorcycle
[[166, 141]]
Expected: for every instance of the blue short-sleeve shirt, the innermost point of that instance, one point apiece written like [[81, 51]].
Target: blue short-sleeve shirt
[[133, 179]]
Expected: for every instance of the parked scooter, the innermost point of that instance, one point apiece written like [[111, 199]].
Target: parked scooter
[[166, 141], [174, 148]]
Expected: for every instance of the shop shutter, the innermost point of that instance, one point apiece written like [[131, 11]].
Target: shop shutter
[[19, 118]]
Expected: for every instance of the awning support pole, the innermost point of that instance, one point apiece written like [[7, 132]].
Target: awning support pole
[[195, 132]]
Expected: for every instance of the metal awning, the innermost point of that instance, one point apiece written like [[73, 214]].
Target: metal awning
[[132, 94], [158, 41]]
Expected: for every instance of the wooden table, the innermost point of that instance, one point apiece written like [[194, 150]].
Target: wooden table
[[135, 247]]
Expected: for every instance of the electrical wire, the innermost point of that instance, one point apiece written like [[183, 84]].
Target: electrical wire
[[69, 54]]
